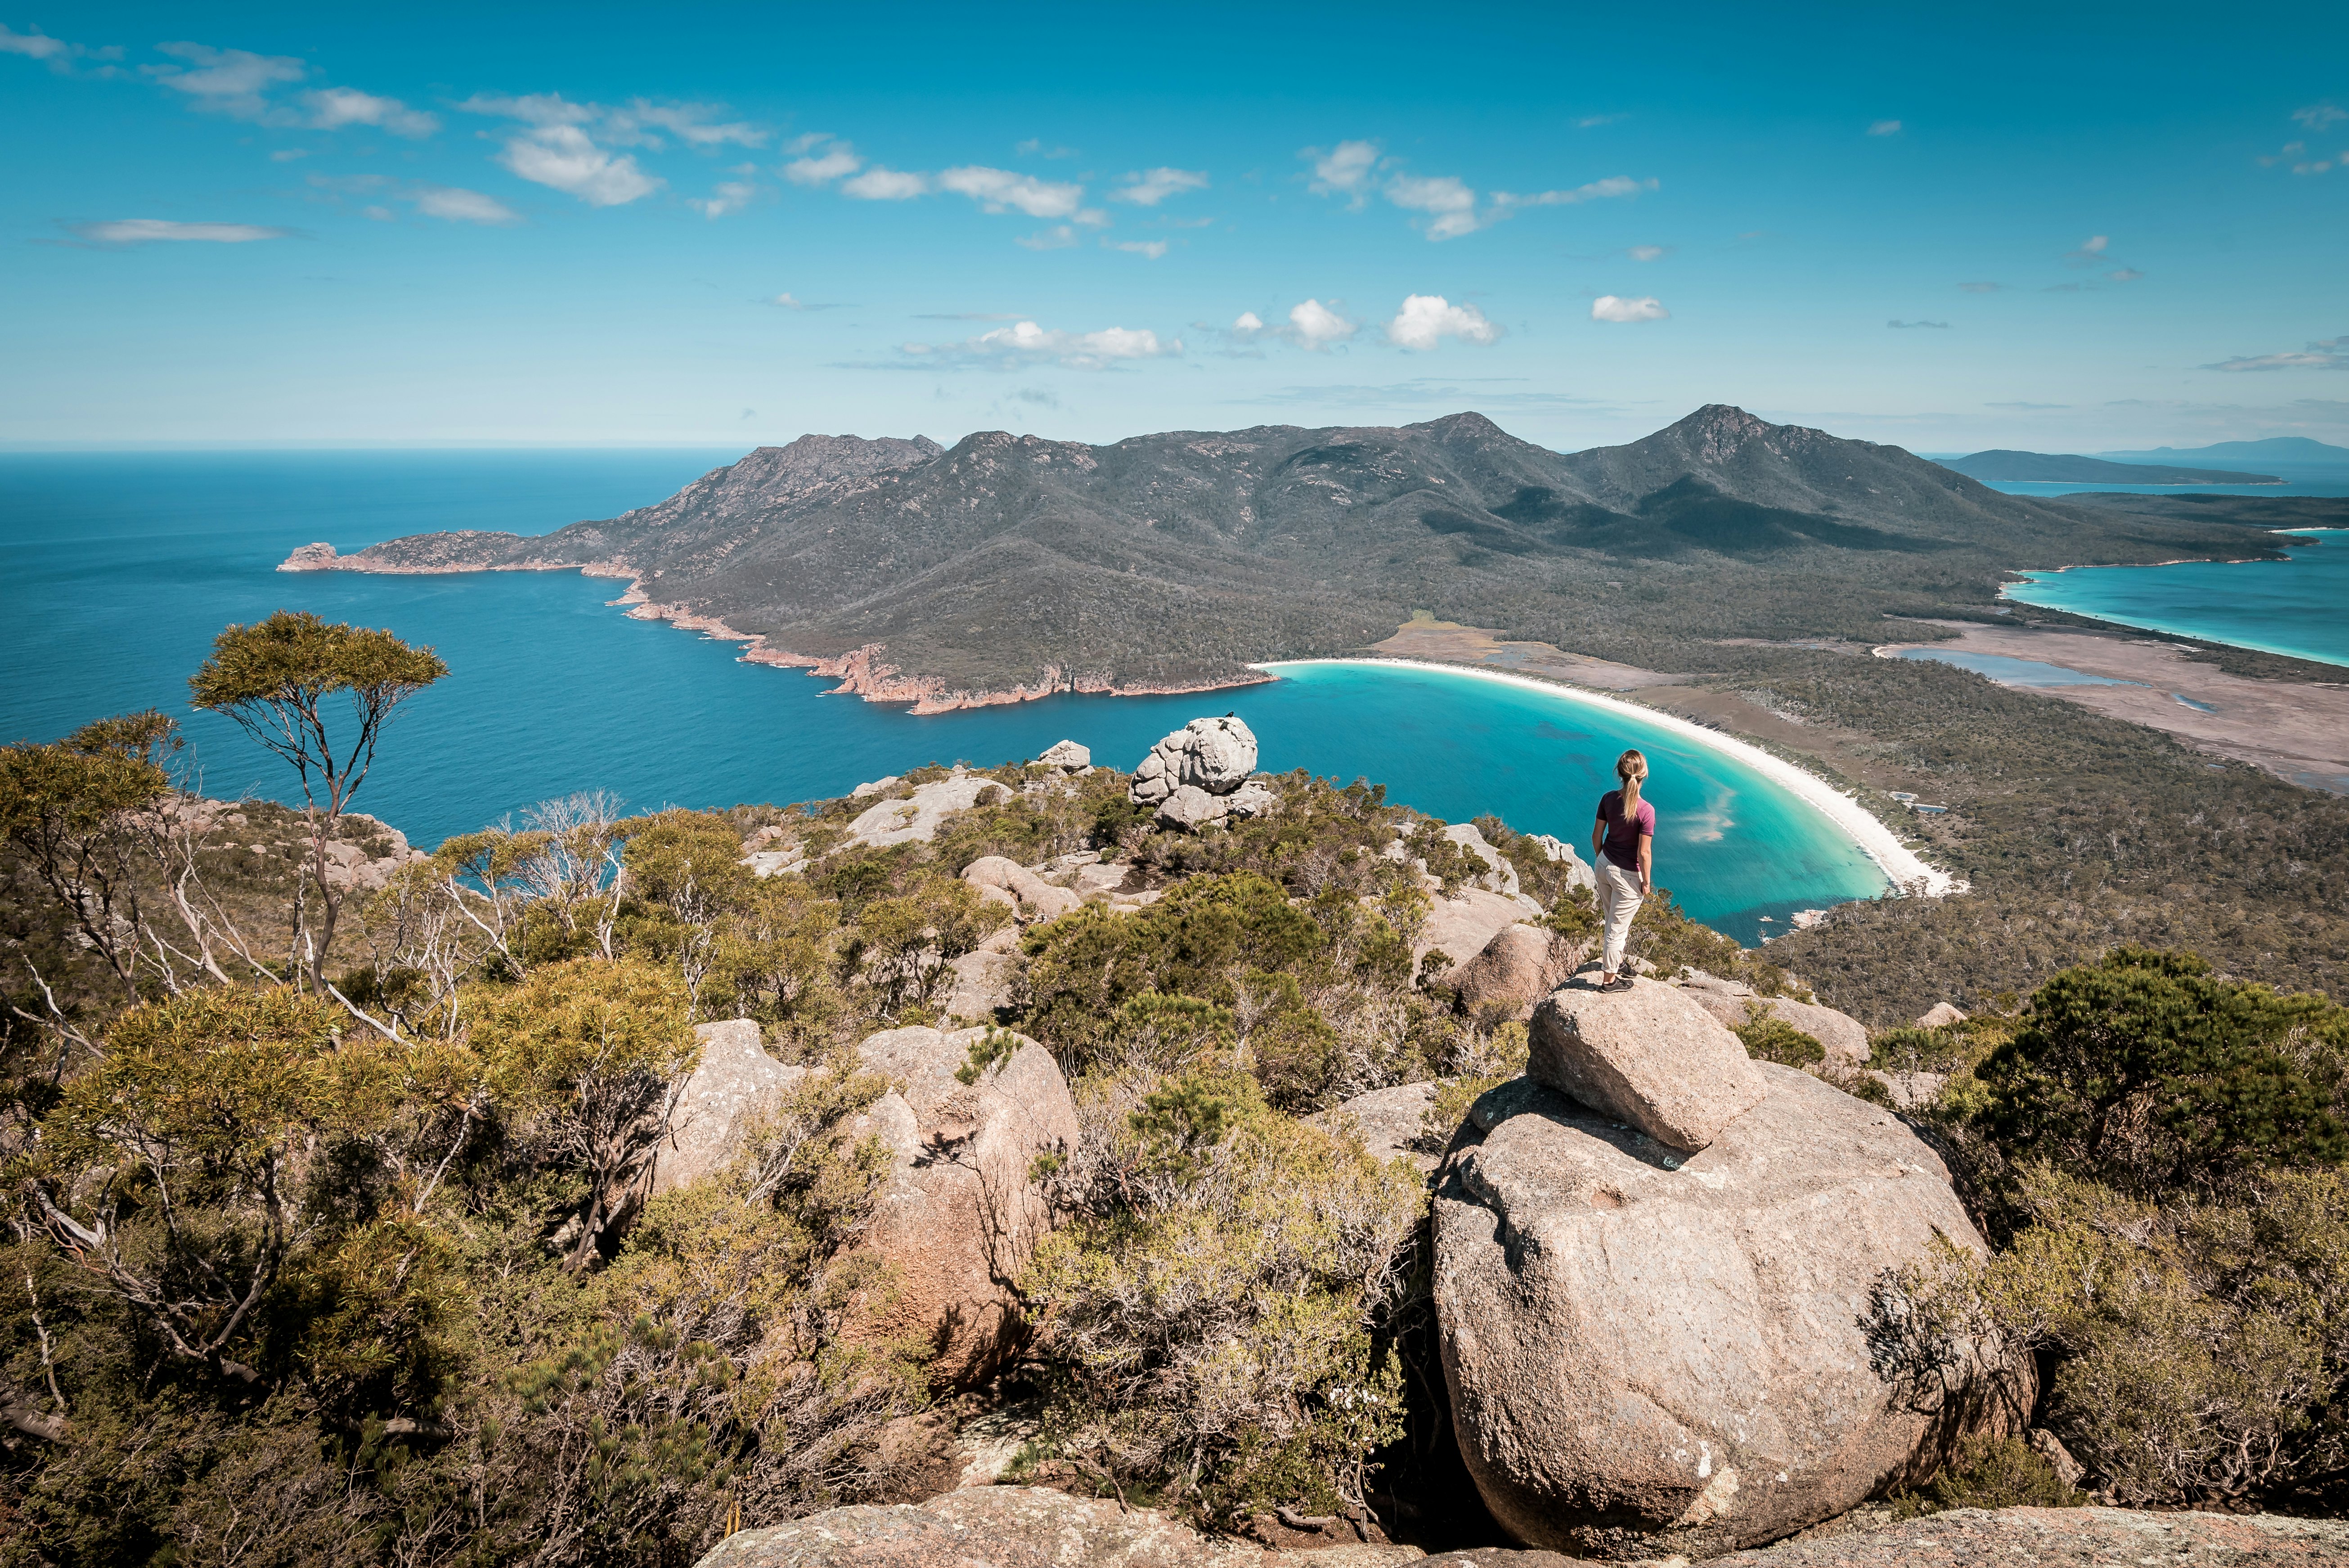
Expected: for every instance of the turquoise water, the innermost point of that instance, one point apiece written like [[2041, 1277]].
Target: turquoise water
[[2292, 606], [2013, 671], [2299, 479], [116, 570]]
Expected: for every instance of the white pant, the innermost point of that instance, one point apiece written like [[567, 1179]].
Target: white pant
[[1618, 900]]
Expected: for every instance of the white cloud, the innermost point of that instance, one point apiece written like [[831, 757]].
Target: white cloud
[[231, 81], [1313, 325], [1025, 343], [807, 142], [1151, 186], [690, 123], [879, 184], [142, 231], [1649, 252], [379, 214], [1059, 237], [837, 159], [334, 108], [2091, 249], [35, 45], [2125, 275], [289, 154], [1596, 191], [1426, 318], [2317, 115], [1589, 121], [1034, 147], [536, 107], [731, 197], [460, 206], [1885, 128], [1450, 205], [1247, 324], [1153, 249], [1000, 189], [788, 302], [1616, 307], [561, 157], [1911, 325], [1344, 170], [2324, 354]]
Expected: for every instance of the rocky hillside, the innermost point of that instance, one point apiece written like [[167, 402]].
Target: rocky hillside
[[1177, 559]]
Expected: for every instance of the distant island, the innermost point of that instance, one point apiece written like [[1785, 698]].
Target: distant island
[[2275, 449], [2003, 466], [1009, 566]]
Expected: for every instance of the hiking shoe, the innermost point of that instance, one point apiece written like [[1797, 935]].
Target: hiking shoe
[[1620, 982]]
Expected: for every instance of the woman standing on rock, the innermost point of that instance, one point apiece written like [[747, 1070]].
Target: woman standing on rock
[[1623, 846]]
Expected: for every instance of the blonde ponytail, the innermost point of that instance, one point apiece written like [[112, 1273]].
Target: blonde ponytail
[[1631, 772]]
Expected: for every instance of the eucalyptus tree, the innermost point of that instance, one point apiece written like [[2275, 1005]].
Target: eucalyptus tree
[[278, 679]]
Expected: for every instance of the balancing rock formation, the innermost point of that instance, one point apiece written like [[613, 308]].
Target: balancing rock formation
[[1655, 1262], [1199, 775]]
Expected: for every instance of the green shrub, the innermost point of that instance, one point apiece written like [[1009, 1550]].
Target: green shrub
[[1213, 1318], [1770, 1038], [1992, 1472], [2149, 1074]]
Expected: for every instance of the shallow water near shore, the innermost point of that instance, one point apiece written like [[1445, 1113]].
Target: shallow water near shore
[[2290, 606], [119, 568]]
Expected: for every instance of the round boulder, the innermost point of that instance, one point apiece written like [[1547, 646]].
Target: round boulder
[[1650, 1353]]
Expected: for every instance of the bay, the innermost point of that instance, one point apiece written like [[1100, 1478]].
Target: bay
[[117, 569], [2290, 606]]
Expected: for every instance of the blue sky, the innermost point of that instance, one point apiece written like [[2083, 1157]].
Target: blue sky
[[2063, 228]]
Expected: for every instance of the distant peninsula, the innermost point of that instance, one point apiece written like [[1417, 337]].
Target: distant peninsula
[[1011, 567], [2003, 466]]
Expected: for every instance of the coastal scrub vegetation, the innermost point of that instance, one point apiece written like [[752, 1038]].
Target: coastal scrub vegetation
[[360, 1264]]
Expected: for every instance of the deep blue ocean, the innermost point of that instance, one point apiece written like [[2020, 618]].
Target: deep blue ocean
[[119, 567], [2293, 606]]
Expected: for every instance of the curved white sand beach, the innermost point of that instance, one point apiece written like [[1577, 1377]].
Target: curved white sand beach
[[1907, 872]]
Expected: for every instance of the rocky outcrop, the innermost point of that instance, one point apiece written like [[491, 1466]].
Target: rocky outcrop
[[986, 980], [1005, 882], [1994, 1538], [917, 815], [961, 1213], [1388, 1121], [1941, 1016], [1461, 926], [1653, 1353], [1842, 1036], [1014, 1527], [732, 1087], [1580, 873], [1648, 1057], [1499, 876], [1521, 964], [1215, 756], [1067, 756]]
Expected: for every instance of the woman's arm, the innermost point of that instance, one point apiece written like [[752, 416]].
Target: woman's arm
[[1599, 841], [1647, 864]]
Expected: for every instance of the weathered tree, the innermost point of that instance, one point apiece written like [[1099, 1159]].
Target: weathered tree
[[278, 679]]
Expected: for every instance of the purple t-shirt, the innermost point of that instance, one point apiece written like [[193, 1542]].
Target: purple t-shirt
[[1623, 834]]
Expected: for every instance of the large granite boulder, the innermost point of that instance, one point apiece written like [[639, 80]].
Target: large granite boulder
[[1941, 1016], [1215, 756], [961, 1213], [1653, 1353], [1005, 882], [1515, 970], [1067, 756], [1014, 1527], [916, 816], [1649, 1057], [1459, 927], [1579, 871], [733, 1084], [1388, 1121], [1499, 876]]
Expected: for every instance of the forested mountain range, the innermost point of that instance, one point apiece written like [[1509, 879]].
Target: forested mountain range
[[1180, 557]]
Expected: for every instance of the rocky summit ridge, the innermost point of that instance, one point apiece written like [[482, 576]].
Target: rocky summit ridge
[[1012, 565]]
